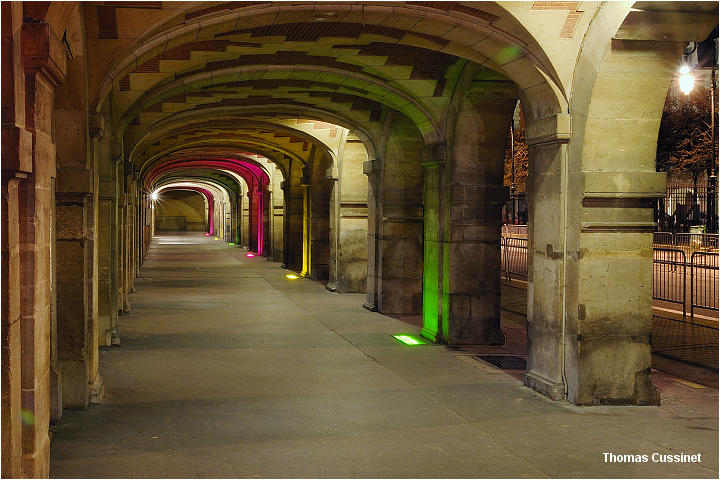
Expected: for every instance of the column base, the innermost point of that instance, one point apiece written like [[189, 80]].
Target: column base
[[115, 339], [75, 384], [55, 395], [331, 288], [430, 335], [97, 390], [372, 308], [552, 390]]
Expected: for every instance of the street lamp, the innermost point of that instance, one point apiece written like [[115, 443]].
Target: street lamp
[[686, 81], [712, 171]]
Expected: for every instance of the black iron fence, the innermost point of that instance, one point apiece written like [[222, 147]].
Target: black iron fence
[[703, 281], [685, 206], [513, 257], [515, 211], [669, 273], [685, 267], [688, 242]]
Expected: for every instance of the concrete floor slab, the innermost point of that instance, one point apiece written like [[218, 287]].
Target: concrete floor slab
[[229, 369]]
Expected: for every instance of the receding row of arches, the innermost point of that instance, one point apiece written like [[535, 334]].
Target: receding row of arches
[[357, 143]]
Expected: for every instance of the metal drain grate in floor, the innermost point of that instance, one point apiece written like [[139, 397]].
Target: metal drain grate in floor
[[505, 362]]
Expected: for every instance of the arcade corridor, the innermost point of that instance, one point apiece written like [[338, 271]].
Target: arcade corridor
[[362, 147], [229, 369]]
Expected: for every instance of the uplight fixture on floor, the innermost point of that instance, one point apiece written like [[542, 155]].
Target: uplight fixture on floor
[[291, 276], [231, 244], [250, 255], [216, 238], [409, 340], [207, 234]]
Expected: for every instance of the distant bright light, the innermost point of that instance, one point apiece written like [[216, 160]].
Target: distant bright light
[[216, 238], [154, 195], [250, 255], [207, 234], [409, 340], [686, 81], [291, 276]]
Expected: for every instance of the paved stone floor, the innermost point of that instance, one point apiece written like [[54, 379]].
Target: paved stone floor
[[229, 369]]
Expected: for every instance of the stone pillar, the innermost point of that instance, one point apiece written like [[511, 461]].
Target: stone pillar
[[267, 217], [398, 221], [107, 237], [77, 218], [348, 219], [127, 233], [74, 211], [17, 165], [252, 219], [306, 225], [319, 195], [245, 220], [133, 236], [277, 205], [371, 169], [463, 199], [546, 202], [37, 64], [589, 339]]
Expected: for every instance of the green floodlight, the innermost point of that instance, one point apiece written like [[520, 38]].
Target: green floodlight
[[409, 340], [231, 244]]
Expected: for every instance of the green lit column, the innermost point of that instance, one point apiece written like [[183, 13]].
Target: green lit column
[[434, 329]]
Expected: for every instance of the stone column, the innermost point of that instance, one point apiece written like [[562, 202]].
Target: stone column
[[547, 150], [17, 166], [334, 227], [398, 220], [252, 219], [133, 235], [348, 219], [285, 187], [277, 205], [306, 225], [319, 194], [29, 165], [589, 339], [371, 169], [107, 237], [466, 194]]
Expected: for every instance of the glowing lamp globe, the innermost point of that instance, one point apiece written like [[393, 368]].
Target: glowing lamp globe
[[686, 81]]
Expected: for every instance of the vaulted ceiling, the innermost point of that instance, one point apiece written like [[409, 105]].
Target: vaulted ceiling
[[268, 80]]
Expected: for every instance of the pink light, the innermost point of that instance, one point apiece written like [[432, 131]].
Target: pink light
[[207, 234], [250, 255]]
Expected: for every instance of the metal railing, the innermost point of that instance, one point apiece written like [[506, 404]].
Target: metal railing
[[678, 259], [689, 242], [703, 281], [669, 273], [512, 230], [514, 257]]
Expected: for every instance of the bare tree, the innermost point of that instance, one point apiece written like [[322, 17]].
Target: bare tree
[[684, 141]]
